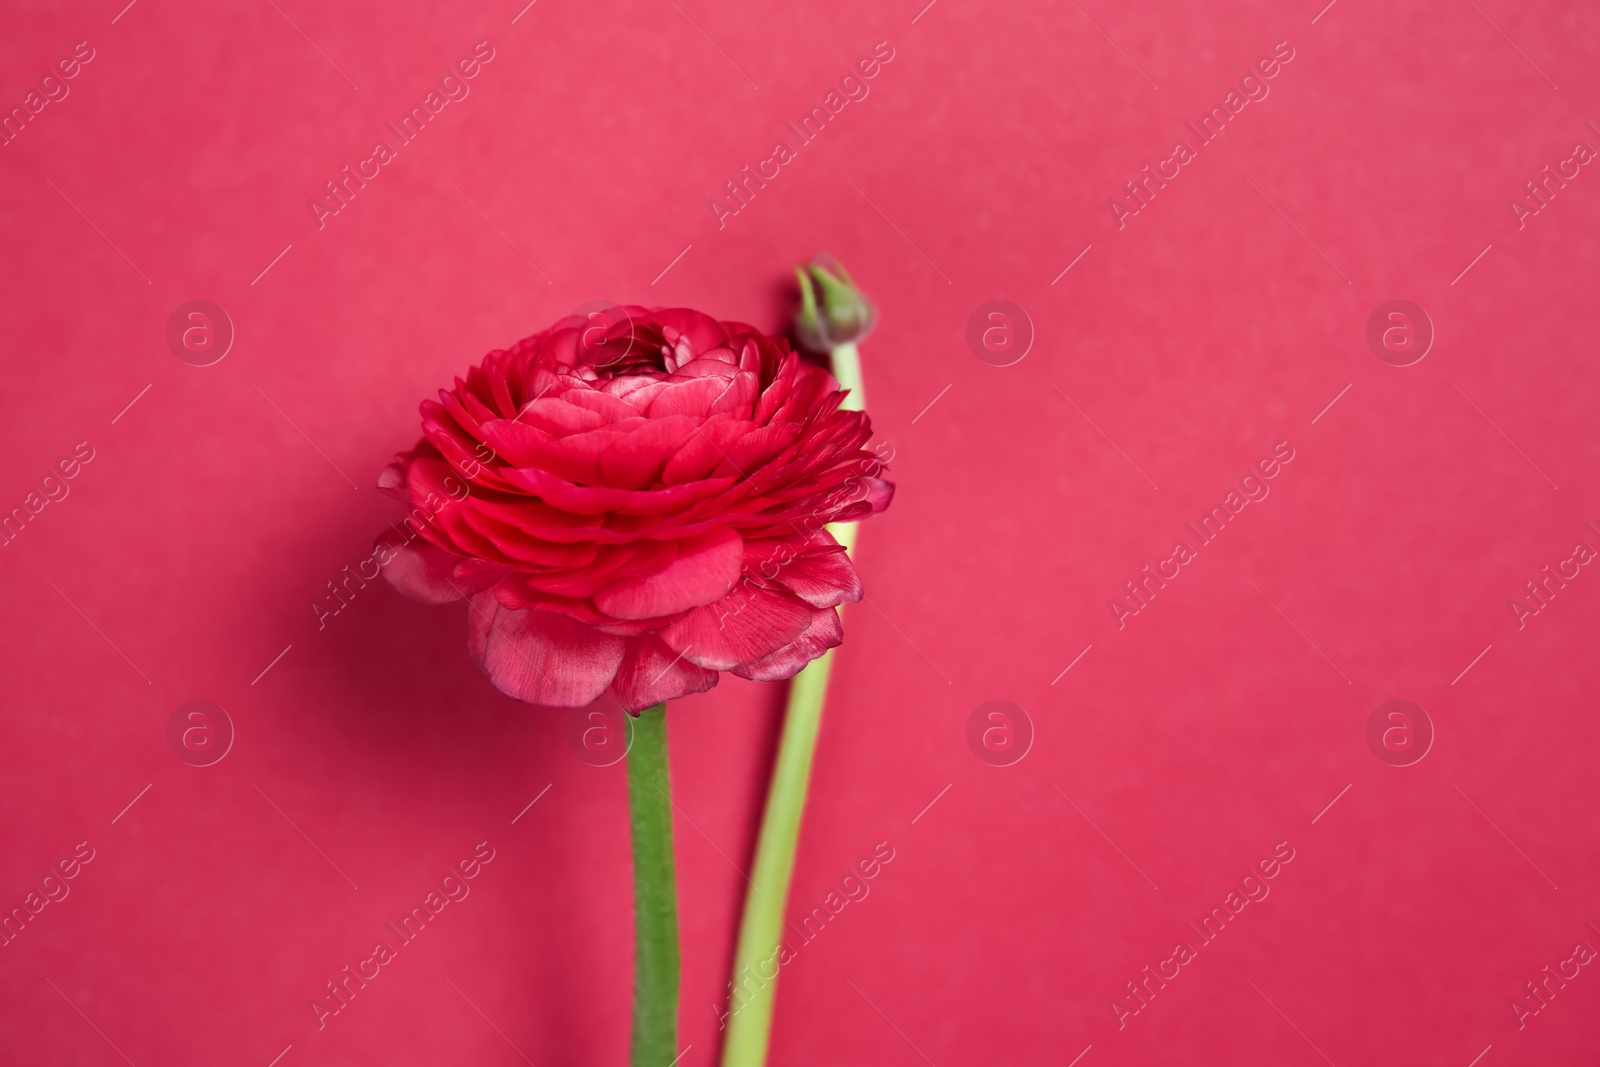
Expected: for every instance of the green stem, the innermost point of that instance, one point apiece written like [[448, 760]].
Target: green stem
[[759, 954], [757, 959], [846, 360], [655, 895]]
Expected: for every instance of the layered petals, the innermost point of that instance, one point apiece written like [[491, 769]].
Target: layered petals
[[539, 656], [748, 624], [635, 500], [706, 568], [821, 574], [822, 633], [651, 673]]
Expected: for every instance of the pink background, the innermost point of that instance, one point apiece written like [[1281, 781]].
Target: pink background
[[1222, 720]]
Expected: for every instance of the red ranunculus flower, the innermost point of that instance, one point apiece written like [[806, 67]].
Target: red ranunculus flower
[[635, 500]]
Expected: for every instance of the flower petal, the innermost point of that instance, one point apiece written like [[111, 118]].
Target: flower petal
[[419, 570], [879, 494], [541, 657], [706, 568], [823, 578], [747, 624], [701, 453], [635, 460], [701, 330], [823, 633], [690, 397], [651, 672]]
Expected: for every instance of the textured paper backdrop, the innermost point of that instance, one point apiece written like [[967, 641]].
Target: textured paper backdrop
[[1185, 343]]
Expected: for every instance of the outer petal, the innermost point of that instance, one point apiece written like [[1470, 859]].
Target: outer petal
[[824, 633], [879, 494], [392, 479], [476, 575], [823, 578], [705, 570], [419, 570], [651, 672], [747, 624], [541, 657]]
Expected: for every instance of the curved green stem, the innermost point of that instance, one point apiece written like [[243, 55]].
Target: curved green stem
[[655, 895], [760, 952]]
